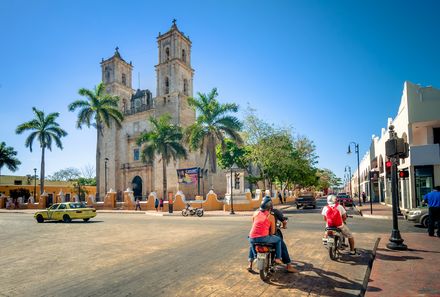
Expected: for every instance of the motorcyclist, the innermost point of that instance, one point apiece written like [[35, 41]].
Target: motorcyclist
[[267, 205], [331, 201]]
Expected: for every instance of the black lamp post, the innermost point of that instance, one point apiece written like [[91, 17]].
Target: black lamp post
[[356, 149], [35, 184], [349, 177], [233, 168], [392, 152], [105, 177]]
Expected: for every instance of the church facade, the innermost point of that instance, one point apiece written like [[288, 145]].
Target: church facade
[[120, 165]]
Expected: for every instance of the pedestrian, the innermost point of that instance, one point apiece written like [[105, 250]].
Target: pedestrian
[[364, 197], [280, 197], [156, 203], [170, 204], [433, 200], [285, 196], [138, 204], [161, 204]]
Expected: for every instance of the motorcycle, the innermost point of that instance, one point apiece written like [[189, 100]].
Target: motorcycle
[[266, 256], [189, 210], [334, 241]]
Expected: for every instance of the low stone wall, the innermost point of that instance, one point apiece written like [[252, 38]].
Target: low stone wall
[[210, 202]]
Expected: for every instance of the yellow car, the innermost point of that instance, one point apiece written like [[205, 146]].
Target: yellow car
[[66, 212]]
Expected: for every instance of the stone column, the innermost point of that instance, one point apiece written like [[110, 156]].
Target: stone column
[[129, 199]]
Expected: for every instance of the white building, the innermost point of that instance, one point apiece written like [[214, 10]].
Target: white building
[[418, 123]]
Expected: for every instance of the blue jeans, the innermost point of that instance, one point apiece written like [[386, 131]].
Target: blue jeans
[[275, 240]]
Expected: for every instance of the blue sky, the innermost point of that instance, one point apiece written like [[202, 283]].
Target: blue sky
[[334, 70]]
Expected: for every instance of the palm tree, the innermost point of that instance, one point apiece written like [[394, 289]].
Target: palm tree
[[165, 140], [98, 110], [46, 130], [7, 157], [212, 125]]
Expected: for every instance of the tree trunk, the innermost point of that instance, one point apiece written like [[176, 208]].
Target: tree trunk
[[164, 172], [98, 159], [42, 171]]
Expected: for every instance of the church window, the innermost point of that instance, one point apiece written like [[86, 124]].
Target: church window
[[137, 104], [183, 55], [167, 53], [124, 79], [107, 74], [136, 154], [167, 85], [185, 86], [124, 104]]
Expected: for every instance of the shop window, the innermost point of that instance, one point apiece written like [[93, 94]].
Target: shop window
[[424, 180]]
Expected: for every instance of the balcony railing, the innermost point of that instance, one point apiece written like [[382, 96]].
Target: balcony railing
[[428, 154]]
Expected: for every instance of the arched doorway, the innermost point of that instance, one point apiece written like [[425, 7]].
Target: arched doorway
[[137, 187]]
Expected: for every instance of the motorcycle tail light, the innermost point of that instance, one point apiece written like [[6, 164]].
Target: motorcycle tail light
[[261, 249], [329, 232]]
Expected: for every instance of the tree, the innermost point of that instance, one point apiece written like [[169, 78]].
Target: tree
[[98, 111], [88, 171], [46, 130], [164, 139], [67, 174], [7, 158], [212, 125]]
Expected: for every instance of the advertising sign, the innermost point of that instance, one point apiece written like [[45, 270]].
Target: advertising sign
[[188, 175]]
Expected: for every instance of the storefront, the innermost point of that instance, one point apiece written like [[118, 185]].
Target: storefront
[[424, 181]]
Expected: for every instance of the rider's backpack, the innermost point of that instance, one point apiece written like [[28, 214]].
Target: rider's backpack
[[333, 216]]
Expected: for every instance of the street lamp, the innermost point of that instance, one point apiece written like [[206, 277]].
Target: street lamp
[[105, 177], [356, 149], [349, 177], [393, 151], [35, 184], [234, 167]]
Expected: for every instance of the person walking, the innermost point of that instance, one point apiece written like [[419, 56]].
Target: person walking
[[364, 197], [138, 204], [156, 203], [161, 204], [433, 200], [280, 197]]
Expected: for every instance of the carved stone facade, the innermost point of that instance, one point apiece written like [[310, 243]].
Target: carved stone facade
[[120, 163]]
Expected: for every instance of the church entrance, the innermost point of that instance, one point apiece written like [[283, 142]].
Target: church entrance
[[137, 187]]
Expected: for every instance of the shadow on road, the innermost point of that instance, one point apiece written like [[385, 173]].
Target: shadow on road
[[72, 222], [317, 281]]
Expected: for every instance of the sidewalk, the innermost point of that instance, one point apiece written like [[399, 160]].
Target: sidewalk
[[406, 273], [380, 211]]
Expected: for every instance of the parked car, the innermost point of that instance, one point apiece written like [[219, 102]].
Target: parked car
[[418, 215], [66, 211], [344, 199], [305, 201]]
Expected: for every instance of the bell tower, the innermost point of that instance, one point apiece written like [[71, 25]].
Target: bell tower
[[174, 76], [116, 76]]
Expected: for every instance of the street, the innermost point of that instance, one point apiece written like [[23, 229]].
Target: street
[[140, 255]]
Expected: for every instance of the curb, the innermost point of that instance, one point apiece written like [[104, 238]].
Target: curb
[[370, 266]]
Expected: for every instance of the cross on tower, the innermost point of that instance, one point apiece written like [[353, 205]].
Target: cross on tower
[[174, 22]]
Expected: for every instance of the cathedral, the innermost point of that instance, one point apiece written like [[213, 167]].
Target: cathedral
[[120, 165]]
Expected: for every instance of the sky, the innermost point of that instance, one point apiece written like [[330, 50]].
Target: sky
[[332, 70]]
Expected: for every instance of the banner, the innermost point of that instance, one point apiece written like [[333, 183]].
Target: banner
[[188, 175]]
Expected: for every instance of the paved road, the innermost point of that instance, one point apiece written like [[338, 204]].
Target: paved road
[[139, 255]]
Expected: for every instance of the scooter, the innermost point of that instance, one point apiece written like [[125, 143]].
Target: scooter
[[189, 210]]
